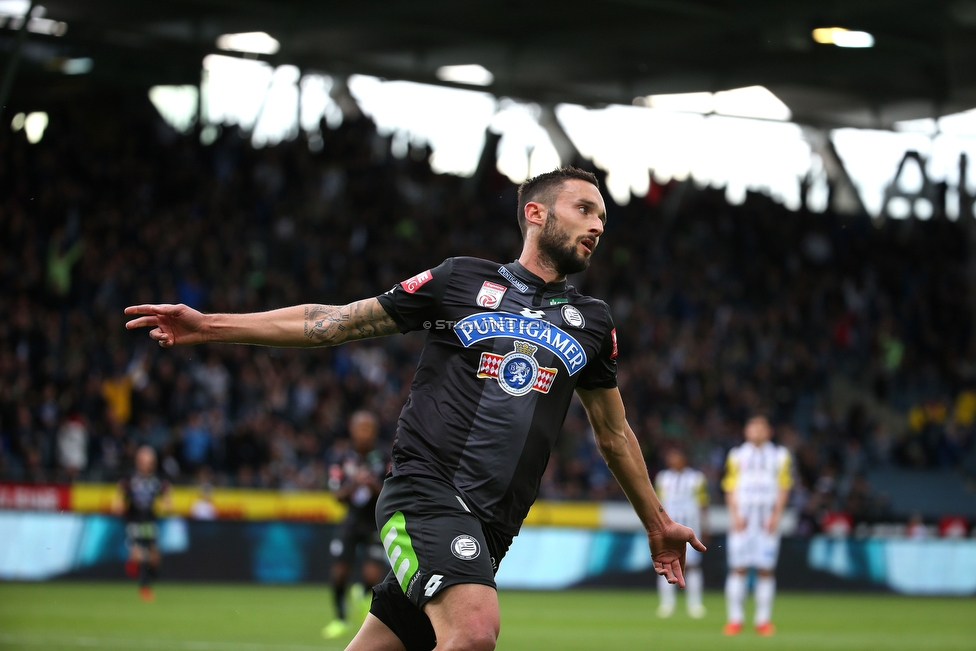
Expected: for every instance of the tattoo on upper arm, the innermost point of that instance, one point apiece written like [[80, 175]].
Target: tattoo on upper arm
[[330, 325], [371, 320]]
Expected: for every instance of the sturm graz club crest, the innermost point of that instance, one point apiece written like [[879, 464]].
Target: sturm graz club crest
[[465, 547], [517, 372], [572, 316]]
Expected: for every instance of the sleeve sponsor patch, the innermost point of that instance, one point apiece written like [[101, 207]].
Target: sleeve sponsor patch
[[613, 338], [413, 284]]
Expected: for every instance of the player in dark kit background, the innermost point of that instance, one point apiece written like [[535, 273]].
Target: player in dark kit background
[[507, 346], [356, 477], [135, 499]]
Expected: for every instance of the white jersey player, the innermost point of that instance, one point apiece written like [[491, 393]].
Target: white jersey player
[[757, 484], [684, 493]]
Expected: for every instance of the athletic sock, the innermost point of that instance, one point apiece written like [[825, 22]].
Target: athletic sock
[[144, 575], [735, 595], [339, 596], [665, 592], [765, 591], [693, 587]]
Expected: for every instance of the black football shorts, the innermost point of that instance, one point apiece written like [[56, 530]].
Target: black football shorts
[[141, 534], [432, 542], [353, 533]]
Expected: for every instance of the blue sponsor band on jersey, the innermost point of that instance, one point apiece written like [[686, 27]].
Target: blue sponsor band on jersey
[[489, 325]]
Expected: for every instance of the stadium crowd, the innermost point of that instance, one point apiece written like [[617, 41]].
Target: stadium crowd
[[720, 310]]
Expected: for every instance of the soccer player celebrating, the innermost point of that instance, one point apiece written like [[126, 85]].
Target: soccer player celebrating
[[507, 345], [684, 494], [135, 498], [356, 475], [757, 484]]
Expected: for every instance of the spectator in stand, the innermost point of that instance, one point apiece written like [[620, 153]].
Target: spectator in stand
[[203, 507], [73, 445], [196, 442]]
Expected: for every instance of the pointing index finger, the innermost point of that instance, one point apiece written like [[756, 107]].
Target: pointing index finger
[[141, 309]]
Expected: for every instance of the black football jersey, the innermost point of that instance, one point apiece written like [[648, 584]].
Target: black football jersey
[[343, 470], [503, 355], [141, 492]]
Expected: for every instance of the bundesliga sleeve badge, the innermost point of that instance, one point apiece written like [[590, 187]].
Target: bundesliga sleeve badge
[[411, 285], [490, 296]]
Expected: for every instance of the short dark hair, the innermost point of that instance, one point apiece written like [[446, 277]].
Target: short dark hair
[[758, 412], [544, 188]]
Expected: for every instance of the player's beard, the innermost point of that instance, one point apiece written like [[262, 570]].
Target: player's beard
[[558, 251]]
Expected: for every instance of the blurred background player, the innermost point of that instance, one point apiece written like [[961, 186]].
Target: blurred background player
[[356, 476], [134, 499], [757, 484], [684, 494]]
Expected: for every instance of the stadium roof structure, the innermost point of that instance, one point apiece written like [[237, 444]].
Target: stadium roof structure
[[922, 63]]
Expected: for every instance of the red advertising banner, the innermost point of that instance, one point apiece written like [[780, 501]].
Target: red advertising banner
[[35, 497]]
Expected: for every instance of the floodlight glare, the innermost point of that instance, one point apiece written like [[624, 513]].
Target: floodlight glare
[[18, 8], [80, 66], [683, 102], [471, 74], [177, 105], [750, 102], [251, 42], [13, 13], [842, 37], [34, 126]]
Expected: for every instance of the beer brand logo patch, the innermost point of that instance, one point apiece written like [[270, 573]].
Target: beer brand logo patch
[[484, 326], [517, 372], [490, 296], [411, 285], [572, 316], [510, 277]]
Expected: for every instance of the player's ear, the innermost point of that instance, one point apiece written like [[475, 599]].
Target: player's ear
[[535, 213]]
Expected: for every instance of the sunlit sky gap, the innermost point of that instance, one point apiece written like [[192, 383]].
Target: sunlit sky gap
[[699, 136]]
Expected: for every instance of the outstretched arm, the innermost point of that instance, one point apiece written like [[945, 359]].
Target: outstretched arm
[[300, 326], [619, 447]]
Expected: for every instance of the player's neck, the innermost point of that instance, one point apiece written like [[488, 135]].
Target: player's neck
[[533, 262]]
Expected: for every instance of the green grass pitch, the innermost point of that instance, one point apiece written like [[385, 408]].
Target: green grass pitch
[[184, 617]]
